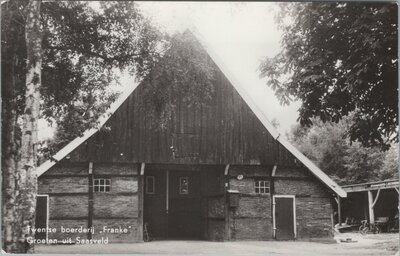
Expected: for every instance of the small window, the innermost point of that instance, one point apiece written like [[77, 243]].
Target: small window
[[261, 186], [101, 185], [183, 185], [150, 185]]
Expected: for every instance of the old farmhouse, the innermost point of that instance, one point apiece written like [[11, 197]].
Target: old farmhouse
[[215, 171]]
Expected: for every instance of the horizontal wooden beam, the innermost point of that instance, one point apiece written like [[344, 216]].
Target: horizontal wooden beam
[[115, 218], [253, 217], [95, 194], [52, 176], [293, 178], [68, 218], [390, 184], [94, 218], [68, 194]]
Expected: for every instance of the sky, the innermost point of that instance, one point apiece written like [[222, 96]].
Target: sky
[[242, 34]]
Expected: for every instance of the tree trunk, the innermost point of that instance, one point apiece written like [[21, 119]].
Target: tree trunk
[[27, 181], [11, 31]]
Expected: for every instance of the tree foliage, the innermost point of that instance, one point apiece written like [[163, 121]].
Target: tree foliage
[[84, 45], [345, 162], [185, 73], [340, 58]]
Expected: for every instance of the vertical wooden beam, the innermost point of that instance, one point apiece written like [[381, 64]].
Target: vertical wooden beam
[[371, 207], [167, 199], [274, 170], [227, 232], [272, 193], [339, 201], [141, 202], [90, 198]]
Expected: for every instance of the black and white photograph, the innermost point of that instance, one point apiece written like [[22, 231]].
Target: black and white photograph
[[200, 128]]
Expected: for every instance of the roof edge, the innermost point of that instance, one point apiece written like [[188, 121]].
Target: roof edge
[[313, 168], [264, 120], [87, 134]]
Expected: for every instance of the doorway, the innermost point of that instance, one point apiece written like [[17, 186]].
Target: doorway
[[172, 203], [284, 211], [42, 216]]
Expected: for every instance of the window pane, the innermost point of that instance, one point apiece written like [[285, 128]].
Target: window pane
[[150, 184], [101, 189], [261, 187], [183, 185], [101, 181], [96, 189], [107, 188], [96, 182], [108, 182]]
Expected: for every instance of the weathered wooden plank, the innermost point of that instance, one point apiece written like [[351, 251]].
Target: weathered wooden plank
[[226, 131]]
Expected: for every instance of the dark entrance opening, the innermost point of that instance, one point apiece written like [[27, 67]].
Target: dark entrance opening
[[284, 218], [41, 216], [176, 200], [184, 213]]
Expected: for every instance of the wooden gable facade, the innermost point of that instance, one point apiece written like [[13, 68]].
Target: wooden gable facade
[[211, 171], [223, 131]]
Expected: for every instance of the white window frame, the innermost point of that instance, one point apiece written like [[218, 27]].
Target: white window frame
[[294, 213], [147, 185], [104, 185], [258, 186]]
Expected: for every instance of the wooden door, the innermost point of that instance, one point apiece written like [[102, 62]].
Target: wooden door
[[284, 218], [41, 216], [184, 215], [155, 213]]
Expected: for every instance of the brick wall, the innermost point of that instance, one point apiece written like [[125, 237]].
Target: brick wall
[[252, 219], [67, 185], [313, 206]]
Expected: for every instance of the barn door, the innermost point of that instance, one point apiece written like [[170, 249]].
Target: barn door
[[155, 212], [184, 217], [284, 217], [42, 212]]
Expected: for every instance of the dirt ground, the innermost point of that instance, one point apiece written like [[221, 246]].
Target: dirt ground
[[381, 244]]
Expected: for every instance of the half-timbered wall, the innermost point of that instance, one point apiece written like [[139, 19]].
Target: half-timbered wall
[[253, 217], [72, 206], [313, 201]]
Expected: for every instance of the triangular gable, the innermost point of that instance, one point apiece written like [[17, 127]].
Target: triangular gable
[[260, 114]]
